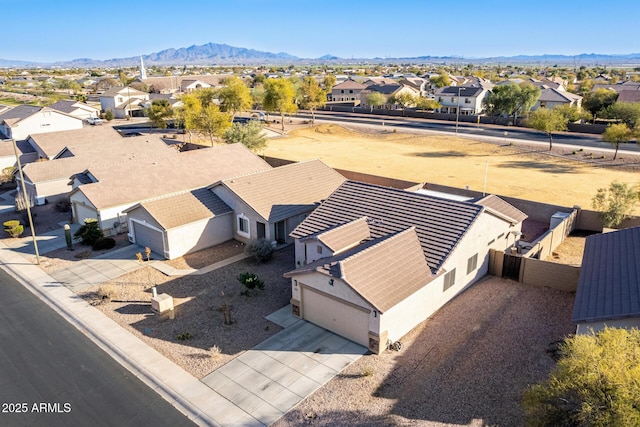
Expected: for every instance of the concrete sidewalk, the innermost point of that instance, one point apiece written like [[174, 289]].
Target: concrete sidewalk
[[254, 389]]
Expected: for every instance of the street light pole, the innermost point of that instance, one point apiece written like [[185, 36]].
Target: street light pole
[[458, 109]]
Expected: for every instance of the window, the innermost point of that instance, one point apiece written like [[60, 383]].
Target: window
[[341, 90], [472, 264], [453, 99], [319, 249], [243, 225], [350, 90], [467, 101], [449, 279]]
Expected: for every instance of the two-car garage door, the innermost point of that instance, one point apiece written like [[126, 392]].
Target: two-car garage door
[[344, 319], [148, 237]]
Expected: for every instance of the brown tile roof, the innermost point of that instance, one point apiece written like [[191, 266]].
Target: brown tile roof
[[367, 270], [346, 235], [285, 191], [349, 84], [51, 143], [184, 208], [143, 178], [440, 223], [504, 210], [609, 283], [175, 82], [629, 96]]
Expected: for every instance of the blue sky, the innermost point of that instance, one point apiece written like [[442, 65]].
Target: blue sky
[[47, 30]]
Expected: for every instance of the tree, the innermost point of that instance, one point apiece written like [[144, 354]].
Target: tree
[[512, 100], [616, 203], [441, 80], [427, 104], [626, 112], [312, 96], [279, 96], [600, 99], [617, 134], [329, 82], [547, 121], [159, 113], [201, 115], [595, 383], [404, 99], [376, 99], [214, 123], [106, 84], [235, 96], [249, 135]]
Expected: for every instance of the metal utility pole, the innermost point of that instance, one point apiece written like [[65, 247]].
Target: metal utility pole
[[26, 201], [458, 109]]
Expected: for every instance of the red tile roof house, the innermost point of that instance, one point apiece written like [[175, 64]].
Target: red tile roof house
[[266, 204], [374, 262], [608, 291]]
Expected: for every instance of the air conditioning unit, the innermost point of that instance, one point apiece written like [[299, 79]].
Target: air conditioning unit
[[41, 200]]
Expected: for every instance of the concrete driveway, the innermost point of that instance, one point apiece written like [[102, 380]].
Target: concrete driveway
[[273, 377]]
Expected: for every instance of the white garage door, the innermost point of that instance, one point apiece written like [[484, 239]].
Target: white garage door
[[148, 237], [83, 212], [335, 316]]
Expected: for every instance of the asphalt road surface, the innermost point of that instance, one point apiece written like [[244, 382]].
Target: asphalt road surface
[[52, 375]]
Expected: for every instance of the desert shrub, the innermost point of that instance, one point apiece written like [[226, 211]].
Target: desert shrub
[[108, 115], [367, 371], [89, 233], [63, 205], [13, 228], [184, 336], [104, 243], [251, 282], [261, 250], [106, 292]]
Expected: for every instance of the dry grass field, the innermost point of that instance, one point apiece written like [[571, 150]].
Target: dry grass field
[[513, 170]]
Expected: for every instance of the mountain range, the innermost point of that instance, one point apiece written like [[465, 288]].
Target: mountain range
[[222, 54]]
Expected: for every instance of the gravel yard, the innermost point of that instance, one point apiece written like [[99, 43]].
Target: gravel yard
[[467, 365], [198, 299], [571, 250]]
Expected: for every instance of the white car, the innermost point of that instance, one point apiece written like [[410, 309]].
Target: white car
[[95, 121]]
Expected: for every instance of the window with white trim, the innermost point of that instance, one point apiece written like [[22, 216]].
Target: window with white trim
[[449, 279], [243, 226]]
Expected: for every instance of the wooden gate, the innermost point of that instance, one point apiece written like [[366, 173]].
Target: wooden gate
[[511, 267]]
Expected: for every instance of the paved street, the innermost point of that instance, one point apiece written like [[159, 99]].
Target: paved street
[[44, 359]]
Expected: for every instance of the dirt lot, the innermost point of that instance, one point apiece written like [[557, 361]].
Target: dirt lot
[[198, 299], [571, 250], [525, 172], [467, 365]]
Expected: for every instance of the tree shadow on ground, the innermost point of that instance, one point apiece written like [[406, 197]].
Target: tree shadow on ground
[[541, 166], [439, 154]]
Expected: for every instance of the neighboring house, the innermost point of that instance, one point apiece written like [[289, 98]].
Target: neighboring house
[[422, 86], [169, 97], [24, 120], [123, 102], [469, 99], [608, 291], [189, 85], [387, 90], [76, 109], [373, 262], [629, 96], [552, 98], [174, 84], [618, 87], [107, 189], [379, 81], [263, 205], [347, 91], [270, 204]]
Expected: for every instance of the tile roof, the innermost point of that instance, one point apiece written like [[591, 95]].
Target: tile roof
[[632, 95], [346, 235], [382, 284], [349, 84], [554, 95], [385, 89], [122, 90], [440, 223], [609, 283], [285, 191], [174, 82], [496, 205], [18, 113], [467, 91], [184, 208], [52, 143], [138, 178]]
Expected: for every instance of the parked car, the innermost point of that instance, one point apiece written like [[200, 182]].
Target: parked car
[[95, 121]]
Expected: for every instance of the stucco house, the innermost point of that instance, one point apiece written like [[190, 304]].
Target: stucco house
[[107, 190], [189, 85], [123, 102], [266, 204], [373, 262], [387, 91], [76, 109], [608, 291], [24, 120], [552, 98], [347, 91], [469, 99]]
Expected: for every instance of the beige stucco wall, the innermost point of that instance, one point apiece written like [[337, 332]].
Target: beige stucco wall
[[199, 235], [44, 121]]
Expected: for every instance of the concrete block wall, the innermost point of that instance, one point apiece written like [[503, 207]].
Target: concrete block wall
[[563, 277]]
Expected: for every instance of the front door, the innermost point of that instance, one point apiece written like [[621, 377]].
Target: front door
[[261, 230], [281, 234]]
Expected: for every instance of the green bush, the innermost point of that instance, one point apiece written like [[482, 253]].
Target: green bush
[[108, 115], [184, 336], [104, 243], [261, 250], [89, 233], [13, 228], [251, 282]]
